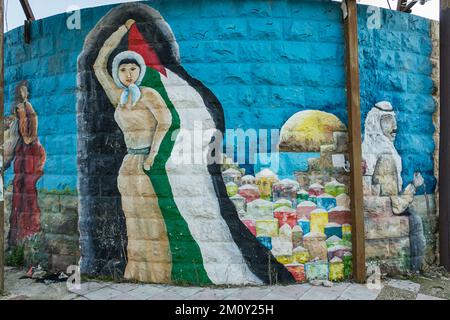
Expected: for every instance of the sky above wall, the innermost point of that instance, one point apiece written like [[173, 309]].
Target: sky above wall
[[45, 8]]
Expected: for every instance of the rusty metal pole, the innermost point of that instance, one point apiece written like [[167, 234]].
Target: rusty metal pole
[[27, 23], [444, 138], [401, 4], [27, 10], [354, 129], [2, 207]]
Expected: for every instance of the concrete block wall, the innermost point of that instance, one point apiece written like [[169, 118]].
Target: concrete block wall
[[264, 61]]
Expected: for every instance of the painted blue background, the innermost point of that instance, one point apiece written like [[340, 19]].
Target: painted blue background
[[264, 60]]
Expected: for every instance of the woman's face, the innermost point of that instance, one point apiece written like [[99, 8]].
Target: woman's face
[[129, 73]]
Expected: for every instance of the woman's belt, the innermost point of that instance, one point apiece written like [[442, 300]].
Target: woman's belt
[[139, 151]]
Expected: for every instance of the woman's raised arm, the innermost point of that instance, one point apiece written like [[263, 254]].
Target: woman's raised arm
[[100, 65]]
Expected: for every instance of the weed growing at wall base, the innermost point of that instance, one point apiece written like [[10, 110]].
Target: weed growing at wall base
[[15, 257]]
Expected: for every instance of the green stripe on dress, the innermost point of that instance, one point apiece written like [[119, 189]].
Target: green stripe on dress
[[187, 261]]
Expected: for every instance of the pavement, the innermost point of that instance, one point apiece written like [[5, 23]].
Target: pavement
[[389, 289]]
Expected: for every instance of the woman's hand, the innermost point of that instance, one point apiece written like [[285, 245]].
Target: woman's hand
[[148, 163], [129, 23]]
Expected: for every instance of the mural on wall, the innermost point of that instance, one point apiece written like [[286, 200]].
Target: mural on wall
[[305, 220], [22, 147], [179, 224], [383, 179], [115, 170]]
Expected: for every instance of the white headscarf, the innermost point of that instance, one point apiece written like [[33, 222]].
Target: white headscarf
[[134, 88], [376, 143]]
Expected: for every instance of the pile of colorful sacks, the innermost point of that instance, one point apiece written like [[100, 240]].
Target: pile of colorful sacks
[[307, 229]]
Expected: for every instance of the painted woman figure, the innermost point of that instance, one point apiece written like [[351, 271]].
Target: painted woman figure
[[144, 120], [29, 159], [180, 224]]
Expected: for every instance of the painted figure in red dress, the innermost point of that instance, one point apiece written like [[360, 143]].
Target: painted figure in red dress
[[29, 159]]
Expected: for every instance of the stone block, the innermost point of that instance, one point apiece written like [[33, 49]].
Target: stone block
[[331, 32], [306, 75], [255, 51], [231, 29], [394, 21], [282, 97], [235, 73], [254, 8], [386, 227], [291, 52], [430, 226], [175, 10], [265, 29], [218, 9], [377, 207], [416, 44], [60, 263], [416, 143], [280, 8], [316, 10], [385, 39], [270, 74], [386, 59], [395, 266], [326, 52], [399, 247], [49, 202], [396, 81], [333, 77], [377, 249], [221, 52], [420, 84], [300, 30], [8, 201], [61, 244], [326, 98], [419, 24], [424, 207], [58, 223], [425, 101], [404, 285], [69, 204]]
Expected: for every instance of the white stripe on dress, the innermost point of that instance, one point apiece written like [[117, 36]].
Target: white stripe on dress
[[194, 193]]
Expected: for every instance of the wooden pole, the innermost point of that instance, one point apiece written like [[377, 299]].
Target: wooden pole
[[2, 207], [444, 136], [354, 127]]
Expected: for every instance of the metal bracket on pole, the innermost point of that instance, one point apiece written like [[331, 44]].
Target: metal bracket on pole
[[27, 31]]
